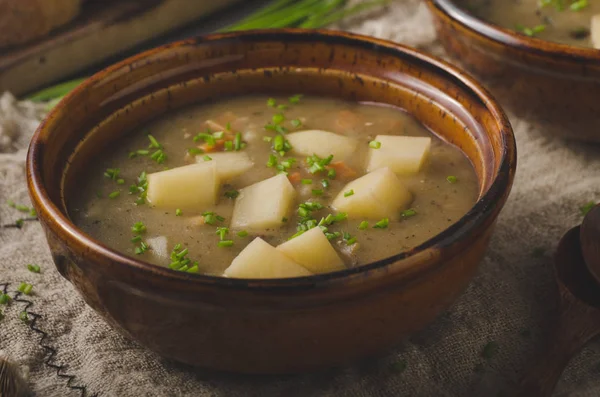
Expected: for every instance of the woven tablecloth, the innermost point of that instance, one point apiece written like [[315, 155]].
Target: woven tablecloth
[[505, 308]]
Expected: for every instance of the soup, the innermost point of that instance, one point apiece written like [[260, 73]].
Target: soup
[[258, 187], [574, 22]]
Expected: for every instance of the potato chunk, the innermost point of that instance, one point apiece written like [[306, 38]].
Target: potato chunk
[[193, 187], [404, 155], [595, 31], [313, 251], [379, 194], [229, 164], [264, 204], [261, 260], [322, 143]]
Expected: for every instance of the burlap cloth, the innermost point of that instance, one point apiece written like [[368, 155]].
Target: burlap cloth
[[507, 303]]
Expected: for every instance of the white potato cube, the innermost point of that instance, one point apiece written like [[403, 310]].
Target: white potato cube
[[377, 195], [193, 187], [322, 143], [404, 155], [264, 204], [313, 251], [261, 260], [229, 164], [595, 29]]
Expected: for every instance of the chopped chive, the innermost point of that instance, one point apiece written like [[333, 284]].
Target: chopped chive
[[408, 213], [399, 366], [349, 193], [237, 142], [33, 268], [278, 118], [382, 224], [225, 243], [317, 192], [579, 5], [136, 239], [295, 98], [331, 174], [219, 218], [23, 317], [490, 350], [222, 232], [159, 156], [267, 138], [4, 299], [206, 158], [272, 162], [19, 223], [242, 233], [296, 123], [374, 144], [132, 155], [232, 194], [307, 181], [142, 152], [363, 225], [25, 288], [587, 207], [194, 151], [451, 179], [271, 102], [218, 135], [178, 212], [325, 183], [114, 194], [154, 143], [138, 227], [120, 181], [228, 146], [282, 107], [193, 269]]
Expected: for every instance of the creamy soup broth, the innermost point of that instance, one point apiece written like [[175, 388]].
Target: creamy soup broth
[[563, 21], [443, 190]]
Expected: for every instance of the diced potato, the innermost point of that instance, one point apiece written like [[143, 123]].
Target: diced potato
[[192, 187], [313, 251], [322, 143], [158, 247], [261, 260], [404, 155], [229, 164], [595, 31], [377, 195], [264, 204]]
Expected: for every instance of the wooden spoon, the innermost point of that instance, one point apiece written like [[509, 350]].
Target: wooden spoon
[[578, 317]]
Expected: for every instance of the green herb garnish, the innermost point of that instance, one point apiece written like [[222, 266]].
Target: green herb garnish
[[363, 225], [374, 144], [295, 99], [232, 194], [33, 268], [225, 243], [382, 224], [138, 228], [408, 213], [114, 194], [349, 193], [178, 212], [242, 233], [25, 288]]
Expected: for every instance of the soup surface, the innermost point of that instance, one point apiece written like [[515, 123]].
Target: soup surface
[[574, 22], [368, 178]]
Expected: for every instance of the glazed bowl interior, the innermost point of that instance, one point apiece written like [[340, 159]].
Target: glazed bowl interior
[[459, 11], [128, 95]]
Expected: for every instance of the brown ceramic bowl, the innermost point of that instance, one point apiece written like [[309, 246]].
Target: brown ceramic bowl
[[281, 325], [554, 85]]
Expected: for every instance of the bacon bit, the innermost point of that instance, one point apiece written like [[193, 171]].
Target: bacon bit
[[342, 170], [218, 147], [295, 178]]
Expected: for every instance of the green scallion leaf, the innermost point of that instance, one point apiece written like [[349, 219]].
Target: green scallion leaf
[[363, 225], [349, 193], [114, 194], [374, 144], [242, 233], [295, 99], [382, 224], [225, 243], [33, 268], [451, 179], [232, 194], [178, 212], [408, 213]]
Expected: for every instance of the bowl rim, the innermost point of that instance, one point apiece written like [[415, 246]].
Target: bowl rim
[[450, 10], [488, 204]]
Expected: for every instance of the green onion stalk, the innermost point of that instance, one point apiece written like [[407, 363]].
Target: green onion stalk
[[307, 14]]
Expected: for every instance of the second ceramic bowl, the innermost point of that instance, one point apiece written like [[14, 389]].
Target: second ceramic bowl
[[557, 86]]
